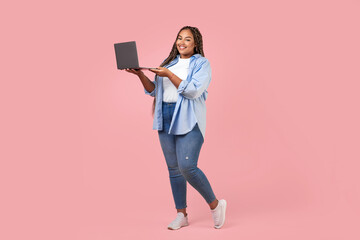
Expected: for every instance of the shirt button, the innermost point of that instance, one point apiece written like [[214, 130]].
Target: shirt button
[[187, 158]]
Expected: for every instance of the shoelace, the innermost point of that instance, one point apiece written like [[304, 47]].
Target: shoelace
[[177, 220], [216, 217]]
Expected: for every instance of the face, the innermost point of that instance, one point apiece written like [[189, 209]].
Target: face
[[185, 43]]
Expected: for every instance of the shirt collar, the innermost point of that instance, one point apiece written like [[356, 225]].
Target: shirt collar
[[196, 55]]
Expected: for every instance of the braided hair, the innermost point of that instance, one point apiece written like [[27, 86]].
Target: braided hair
[[174, 51]]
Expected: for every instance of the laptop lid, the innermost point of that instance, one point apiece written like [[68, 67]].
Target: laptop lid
[[126, 55]]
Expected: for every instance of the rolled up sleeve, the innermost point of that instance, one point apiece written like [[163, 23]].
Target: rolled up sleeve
[[153, 91], [199, 82]]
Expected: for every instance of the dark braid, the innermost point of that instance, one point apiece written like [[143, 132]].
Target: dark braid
[[174, 52]]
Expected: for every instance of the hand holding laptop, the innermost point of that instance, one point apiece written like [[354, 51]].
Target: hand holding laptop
[[134, 71], [161, 71]]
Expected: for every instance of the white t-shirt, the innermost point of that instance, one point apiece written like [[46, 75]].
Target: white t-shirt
[[180, 69]]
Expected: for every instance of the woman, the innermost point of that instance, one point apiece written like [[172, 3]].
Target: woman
[[180, 91]]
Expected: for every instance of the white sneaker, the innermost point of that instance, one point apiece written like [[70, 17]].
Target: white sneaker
[[179, 221], [218, 214]]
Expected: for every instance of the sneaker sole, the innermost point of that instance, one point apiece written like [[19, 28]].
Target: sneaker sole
[[178, 227], [224, 208]]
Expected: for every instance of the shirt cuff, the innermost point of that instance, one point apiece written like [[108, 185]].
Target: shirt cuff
[[150, 93], [183, 84]]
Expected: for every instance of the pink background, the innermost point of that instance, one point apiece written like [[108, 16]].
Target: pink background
[[79, 158]]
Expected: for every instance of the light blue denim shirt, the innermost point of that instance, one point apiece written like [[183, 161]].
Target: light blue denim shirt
[[190, 106]]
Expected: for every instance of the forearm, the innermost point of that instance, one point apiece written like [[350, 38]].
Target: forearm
[[174, 79], [148, 85]]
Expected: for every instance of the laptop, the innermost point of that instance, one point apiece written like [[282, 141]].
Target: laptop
[[126, 56]]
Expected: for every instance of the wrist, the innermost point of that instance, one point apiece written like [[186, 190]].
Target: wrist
[[140, 74], [170, 75]]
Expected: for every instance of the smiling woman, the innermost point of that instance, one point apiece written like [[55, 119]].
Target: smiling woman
[[193, 44], [185, 43], [180, 92]]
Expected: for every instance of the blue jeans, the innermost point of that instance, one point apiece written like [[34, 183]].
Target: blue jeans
[[181, 153]]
